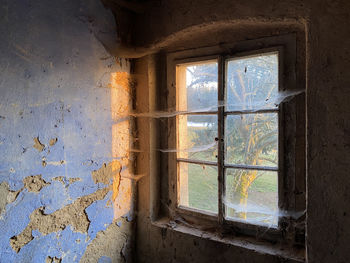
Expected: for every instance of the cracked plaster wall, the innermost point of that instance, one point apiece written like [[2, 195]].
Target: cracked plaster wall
[[63, 197]]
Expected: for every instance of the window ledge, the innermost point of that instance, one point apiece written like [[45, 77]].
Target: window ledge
[[249, 243]]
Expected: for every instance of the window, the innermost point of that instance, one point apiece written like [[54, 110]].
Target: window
[[240, 142], [249, 136]]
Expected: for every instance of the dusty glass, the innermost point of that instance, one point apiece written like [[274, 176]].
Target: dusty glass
[[252, 139], [252, 82], [251, 195], [198, 187], [196, 137], [197, 86]]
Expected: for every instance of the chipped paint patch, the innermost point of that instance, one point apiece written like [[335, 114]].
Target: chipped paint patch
[[59, 98], [109, 243], [107, 172], [60, 179], [73, 180], [73, 214], [65, 181], [38, 145], [6, 196], [121, 187], [34, 183], [53, 141], [53, 260]]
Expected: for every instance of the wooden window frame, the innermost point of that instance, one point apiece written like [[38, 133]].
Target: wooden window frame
[[291, 169]]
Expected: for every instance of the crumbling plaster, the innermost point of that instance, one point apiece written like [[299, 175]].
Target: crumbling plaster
[[174, 25], [62, 190]]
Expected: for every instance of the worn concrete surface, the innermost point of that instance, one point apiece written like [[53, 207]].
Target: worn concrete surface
[[181, 24], [56, 119]]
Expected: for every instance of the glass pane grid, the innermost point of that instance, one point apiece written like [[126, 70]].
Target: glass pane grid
[[249, 164], [251, 140]]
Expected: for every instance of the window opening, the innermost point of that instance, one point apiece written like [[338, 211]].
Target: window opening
[[230, 105]]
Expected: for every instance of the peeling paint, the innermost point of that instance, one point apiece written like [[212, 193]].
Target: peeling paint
[[107, 172], [60, 179], [64, 180], [43, 162], [34, 183], [38, 145], [53, 141], [73, 214], [73, 180], [57, 130], [108, 243], [53, 260], [6, 196]]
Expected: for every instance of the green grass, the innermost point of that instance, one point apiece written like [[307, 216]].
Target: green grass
[[203, 186], [267, 182]]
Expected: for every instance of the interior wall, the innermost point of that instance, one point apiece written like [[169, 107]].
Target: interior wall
[[65, 188], [174, 25], [159, 240]]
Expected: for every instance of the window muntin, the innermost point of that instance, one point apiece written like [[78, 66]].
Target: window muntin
[[249, 167]]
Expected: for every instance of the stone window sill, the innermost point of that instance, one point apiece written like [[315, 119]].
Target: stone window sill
[[290, 254]]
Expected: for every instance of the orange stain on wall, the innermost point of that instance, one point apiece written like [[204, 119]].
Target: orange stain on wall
[[121, 102]]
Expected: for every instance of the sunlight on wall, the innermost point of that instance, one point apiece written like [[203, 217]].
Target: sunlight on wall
[[121, 138]]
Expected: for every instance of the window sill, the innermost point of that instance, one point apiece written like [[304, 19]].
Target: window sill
[[262, 247]]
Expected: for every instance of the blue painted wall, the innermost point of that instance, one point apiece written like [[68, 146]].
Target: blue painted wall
[[54, 77]]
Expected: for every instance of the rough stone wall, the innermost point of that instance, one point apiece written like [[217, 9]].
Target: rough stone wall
[[65, 187], [327, 88]]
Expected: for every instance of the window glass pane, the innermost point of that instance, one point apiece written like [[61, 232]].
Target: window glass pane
[[252, 196], [252, 82], [196, 137], [198, 186], [197, 86], [252, 139]]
